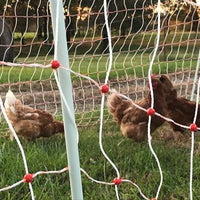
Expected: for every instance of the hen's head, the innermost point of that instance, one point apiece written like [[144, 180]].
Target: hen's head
[[164, 86], [167, 87]]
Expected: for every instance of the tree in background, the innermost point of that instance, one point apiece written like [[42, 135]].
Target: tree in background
[[6, 51], [187, 14], [122, 16]]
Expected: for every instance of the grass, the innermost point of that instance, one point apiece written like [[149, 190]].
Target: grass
[[96, 68], [134, 161], [17, 74], [135, 63]]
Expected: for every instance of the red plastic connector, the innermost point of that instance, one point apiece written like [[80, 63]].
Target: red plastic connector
[[117, 181], [193, 127], [55, 64], [104, 88], [28, 178], [151, 112]]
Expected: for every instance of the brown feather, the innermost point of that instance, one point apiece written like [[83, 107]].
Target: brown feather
[[29, 122], [133, 121], [180, 109]]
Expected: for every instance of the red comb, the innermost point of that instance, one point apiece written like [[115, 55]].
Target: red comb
[[152, 76]]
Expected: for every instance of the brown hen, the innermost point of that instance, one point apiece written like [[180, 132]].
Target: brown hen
[[180, 110], [133, 121], [28, 122]]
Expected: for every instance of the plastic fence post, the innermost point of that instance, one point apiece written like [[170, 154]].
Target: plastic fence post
[[61, 54]]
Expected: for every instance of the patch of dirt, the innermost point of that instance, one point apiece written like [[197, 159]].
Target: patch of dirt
[[176, 138], [44, 93]]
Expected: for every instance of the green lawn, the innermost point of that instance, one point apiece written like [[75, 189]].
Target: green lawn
[[131, 56], [134, 161], [96, 68]]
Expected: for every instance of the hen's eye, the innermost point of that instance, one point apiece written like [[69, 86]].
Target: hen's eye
[[162, 78]]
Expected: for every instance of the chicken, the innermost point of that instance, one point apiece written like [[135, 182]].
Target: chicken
[[134, 121], [180, 110], [28, 122]]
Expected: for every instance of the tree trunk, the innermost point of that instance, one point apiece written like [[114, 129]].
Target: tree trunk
[[105, 40], [6, 52], [195, 21]]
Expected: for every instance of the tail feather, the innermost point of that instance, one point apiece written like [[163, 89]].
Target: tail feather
[[117, 105], [52, 128], [59, 127], [10, 101]]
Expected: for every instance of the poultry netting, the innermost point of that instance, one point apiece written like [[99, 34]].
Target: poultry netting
[[147, 37], [133, 26]]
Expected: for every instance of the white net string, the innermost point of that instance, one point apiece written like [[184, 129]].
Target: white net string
[[99, 88], [19, 144], [76, 61], [129, 79], [152, 99], [192, 141], [100, 141]]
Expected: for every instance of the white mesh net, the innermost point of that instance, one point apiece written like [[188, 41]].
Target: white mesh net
[[26, 37]]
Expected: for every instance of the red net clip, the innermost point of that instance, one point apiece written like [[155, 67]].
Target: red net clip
[[193, 127], [151, 112], [55, 64], [104, 88], [28, 178], [117, 181]]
